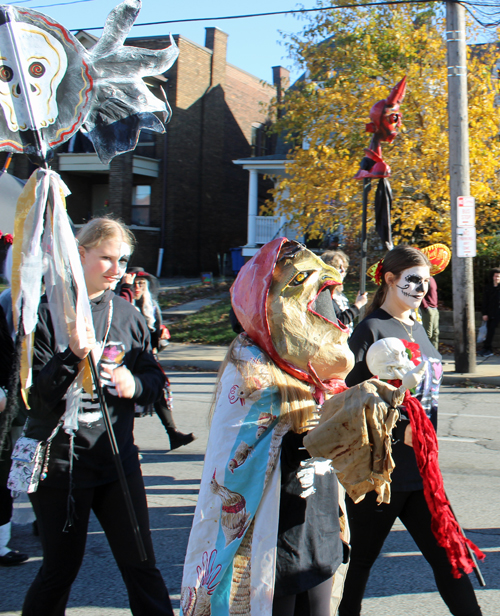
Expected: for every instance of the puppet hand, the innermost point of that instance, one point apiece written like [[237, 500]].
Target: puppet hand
[[81, 348], [123, 380], [408, 439], [412, 378]]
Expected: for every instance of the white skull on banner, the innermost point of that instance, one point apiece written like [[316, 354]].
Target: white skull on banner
[[31, 73]]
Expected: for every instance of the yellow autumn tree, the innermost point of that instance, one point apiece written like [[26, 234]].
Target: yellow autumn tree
[[351, 59]]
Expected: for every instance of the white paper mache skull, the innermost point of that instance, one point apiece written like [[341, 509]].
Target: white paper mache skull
[[387, 358], [44, 64]]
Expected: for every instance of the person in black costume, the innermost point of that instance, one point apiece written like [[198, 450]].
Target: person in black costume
[[491, 310], [404, 281], [81, 472], [8, 419]]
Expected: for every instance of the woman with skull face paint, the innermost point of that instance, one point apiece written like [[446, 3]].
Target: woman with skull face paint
[[404, 277]]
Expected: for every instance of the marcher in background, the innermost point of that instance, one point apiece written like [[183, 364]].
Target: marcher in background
[[145, 288], [12, 418], [491, 310], [81, 474], [8, 557], [430, 313], [345, 312]]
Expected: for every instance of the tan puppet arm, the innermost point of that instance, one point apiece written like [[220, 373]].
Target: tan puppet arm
[[355, 428]]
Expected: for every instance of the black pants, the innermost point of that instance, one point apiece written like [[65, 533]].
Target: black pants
[[5, 505], [63, 551], [491, 325], [371, 523], [5, 495], [314, 602], [164, 412]]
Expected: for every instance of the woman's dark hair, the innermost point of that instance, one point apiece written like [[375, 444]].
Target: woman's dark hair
[[495, 270], [396, 261]]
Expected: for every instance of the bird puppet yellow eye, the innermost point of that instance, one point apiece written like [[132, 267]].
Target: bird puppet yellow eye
[[299, 278]]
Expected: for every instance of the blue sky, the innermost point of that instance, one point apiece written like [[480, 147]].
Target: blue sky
[[253, 45]]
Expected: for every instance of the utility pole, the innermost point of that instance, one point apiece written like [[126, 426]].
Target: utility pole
[[458, 130]]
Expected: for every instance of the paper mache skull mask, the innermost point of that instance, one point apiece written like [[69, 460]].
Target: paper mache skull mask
[[51, 86], [388, 359], [283, 300]]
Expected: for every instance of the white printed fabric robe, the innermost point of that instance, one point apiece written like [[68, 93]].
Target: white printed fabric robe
[[231, 556]]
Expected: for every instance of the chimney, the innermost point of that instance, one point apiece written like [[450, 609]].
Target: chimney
[[216, 40], [281, 81]]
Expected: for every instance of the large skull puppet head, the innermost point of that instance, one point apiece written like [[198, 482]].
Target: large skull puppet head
[[387, 359], [30, 75]]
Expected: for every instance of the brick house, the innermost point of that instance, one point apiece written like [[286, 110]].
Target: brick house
[[179, 192]]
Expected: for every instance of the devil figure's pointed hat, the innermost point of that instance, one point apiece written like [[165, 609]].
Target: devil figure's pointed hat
[[393, 101]]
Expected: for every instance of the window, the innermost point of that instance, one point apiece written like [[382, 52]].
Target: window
[[146, 145], [141, 202]]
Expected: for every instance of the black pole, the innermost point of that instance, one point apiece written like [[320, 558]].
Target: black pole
[[367, 184], [117, 460], [477, 570]]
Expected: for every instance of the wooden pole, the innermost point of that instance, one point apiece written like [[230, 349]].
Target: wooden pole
[[367, 184], [463, 288]]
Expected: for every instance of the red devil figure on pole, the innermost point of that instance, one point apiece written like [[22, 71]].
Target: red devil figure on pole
[[385, 120]]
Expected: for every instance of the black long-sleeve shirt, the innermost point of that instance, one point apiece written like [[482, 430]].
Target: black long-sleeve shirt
[[380, 324], [128, 344]]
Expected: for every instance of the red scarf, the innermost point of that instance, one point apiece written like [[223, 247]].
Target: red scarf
[[444, 524]]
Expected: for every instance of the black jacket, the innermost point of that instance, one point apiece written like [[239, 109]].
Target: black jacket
[[128, 344], [491, 301]]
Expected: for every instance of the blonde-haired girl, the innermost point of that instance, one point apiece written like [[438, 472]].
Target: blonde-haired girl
[[81, 472]]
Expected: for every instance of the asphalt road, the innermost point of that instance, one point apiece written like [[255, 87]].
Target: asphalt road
[[401, 582]]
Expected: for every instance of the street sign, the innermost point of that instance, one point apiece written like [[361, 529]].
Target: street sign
[[466, 241], [466, 212]]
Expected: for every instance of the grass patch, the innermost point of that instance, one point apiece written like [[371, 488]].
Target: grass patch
[[208, 326], [211, 324], [169, 299]]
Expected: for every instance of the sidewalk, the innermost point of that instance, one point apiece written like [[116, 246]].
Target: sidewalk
[[209, 358], [487, 372]]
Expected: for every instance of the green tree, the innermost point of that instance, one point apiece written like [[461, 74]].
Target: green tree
[[352, 58]]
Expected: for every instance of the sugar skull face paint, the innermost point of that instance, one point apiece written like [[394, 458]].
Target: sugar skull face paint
[[124, 257], [413, 285], [303, 325]]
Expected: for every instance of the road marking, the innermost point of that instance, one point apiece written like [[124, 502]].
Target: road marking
[[395, 554], [465, 415], [457, 439]]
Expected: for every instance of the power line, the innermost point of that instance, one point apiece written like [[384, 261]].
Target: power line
[[474, 8], [43, 6], [291, 11]]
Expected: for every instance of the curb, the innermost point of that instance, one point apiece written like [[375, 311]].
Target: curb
[[471, 379], [202, 365], [213, 365]]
